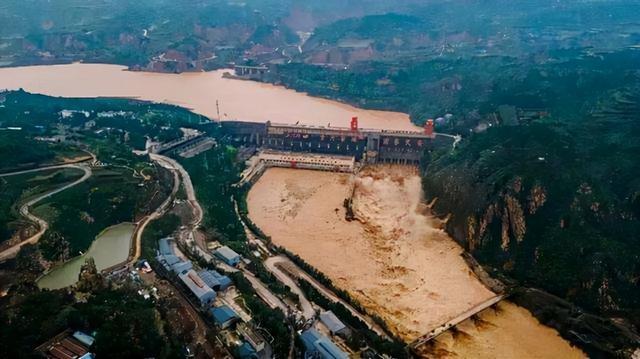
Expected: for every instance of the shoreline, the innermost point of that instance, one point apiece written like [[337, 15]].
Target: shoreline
[[204, 93], [59, 266]]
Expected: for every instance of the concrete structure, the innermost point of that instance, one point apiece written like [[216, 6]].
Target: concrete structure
[[319, 346], [434, 333], [335, 326], [182, 143], [181, 267], [168, 261], [224, 316], [252, 337], [227, 255], [250, 71], [215, 280], [198, 287], [308, 161], [83, 338], [164, 247], [367, 145]]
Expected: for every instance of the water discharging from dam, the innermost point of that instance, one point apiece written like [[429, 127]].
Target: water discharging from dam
[[396, 262], [394, 259]]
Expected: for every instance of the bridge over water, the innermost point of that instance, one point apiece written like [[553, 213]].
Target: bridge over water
[[456, 320]]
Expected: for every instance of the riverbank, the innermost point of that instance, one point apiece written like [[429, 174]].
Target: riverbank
[[395, 260], [206, 93]]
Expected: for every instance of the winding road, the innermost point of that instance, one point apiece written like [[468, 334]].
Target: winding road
[[187, 235], [142, 224], [24, 209]]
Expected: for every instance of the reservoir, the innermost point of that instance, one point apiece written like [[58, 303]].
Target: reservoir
[[110, 248], [205, 93], [412, 276]]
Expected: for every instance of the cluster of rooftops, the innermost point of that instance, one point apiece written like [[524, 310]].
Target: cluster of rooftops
[[203, 284]]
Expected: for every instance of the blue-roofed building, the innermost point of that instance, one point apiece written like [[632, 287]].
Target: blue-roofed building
[[164, 247], [318, 345], [224, 317], [215, 280], [198, 288], [227, 255], [336, 327], [181, 267], [246, 351], [168, 260]]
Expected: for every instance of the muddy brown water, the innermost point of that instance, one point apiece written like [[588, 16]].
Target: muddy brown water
[[507, 333], [236, 99]]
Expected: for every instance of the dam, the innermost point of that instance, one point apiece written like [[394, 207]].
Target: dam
[[365, 145]]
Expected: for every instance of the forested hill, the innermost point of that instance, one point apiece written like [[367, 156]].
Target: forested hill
[[553, 204]]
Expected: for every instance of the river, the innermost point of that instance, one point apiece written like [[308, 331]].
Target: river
[[251, 101], [237, 100], [395, 260], [110, 248]]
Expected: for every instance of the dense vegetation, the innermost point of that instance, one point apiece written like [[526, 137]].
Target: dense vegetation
[[264, 317], [23, 151], [80, 213], [123, 189], [14, 190], [213, 173], [554, 203], [32, 318]]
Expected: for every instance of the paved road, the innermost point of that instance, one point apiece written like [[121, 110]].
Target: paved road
[[295, 270], [264, 293], [260, 288], [170, 163], [308, 312], [24, 209], [142, 225]]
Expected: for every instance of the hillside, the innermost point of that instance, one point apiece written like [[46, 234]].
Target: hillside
[[554, 206]]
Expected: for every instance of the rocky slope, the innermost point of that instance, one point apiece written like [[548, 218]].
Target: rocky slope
[[554, 206]]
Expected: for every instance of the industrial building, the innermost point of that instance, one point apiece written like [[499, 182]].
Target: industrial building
[[335, 326], [227, 255], [365, 145], [319, 346], [245, 351], [251, 336], [224, 317], [67, 346], [202, 285], [310, 161], [198, 287], [215, 280]]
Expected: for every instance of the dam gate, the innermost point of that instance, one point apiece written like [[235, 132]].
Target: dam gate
[[366, 145]]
